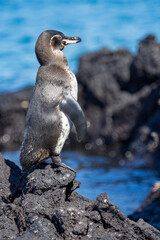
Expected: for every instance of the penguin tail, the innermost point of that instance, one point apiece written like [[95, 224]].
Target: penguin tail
[[29, 158]]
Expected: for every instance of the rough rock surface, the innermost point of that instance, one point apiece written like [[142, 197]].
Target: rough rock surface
[[119, 93], [9, 178], [42, 204]]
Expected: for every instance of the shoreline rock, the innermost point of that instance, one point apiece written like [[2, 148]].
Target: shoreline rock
[[42, 204]]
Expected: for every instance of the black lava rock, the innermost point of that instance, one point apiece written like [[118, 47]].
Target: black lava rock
[[13, 107], [145, 68], [43, 205], [117, 113]]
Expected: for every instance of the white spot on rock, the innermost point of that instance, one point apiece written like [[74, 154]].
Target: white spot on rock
[[24, 104], [5, 138]]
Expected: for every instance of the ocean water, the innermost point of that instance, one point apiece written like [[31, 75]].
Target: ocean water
[[127, 184], [100, 23]]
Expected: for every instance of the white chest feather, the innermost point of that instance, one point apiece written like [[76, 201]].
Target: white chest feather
[[66, 124]]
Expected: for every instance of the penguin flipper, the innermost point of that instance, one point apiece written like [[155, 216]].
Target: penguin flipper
[[73, 110]]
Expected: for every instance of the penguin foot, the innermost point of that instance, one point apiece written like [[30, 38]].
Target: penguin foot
[[57, 162]]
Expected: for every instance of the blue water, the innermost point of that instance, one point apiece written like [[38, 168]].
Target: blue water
[[127, 185], [100, 23]]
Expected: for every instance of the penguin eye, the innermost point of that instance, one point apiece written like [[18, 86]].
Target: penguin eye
[[56, 37]]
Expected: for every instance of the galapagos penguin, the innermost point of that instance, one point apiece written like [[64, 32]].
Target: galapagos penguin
[[53, 107]]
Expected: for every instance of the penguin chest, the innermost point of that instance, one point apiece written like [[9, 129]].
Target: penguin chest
[[65, 130], [65, 122]]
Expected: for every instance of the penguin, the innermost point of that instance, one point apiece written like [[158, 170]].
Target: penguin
[[53, 107]]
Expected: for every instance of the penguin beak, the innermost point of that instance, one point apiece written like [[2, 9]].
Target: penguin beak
[[69, 40]]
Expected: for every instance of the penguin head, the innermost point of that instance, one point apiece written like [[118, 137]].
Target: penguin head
[[59, 40], [49, 41]]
